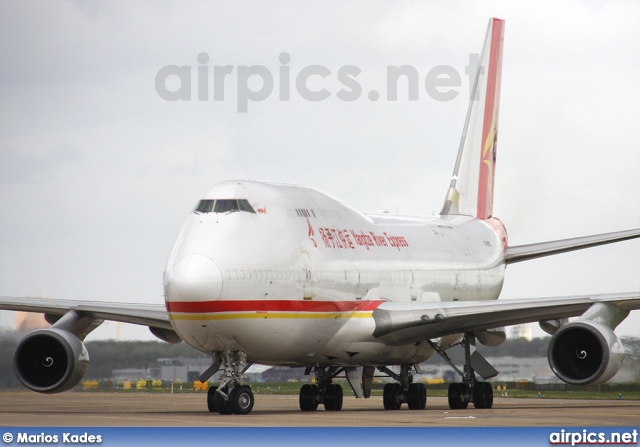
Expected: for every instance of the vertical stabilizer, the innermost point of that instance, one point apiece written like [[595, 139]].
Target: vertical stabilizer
[[471, 188]]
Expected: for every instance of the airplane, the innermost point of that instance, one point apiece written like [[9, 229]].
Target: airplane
[[283, 274]]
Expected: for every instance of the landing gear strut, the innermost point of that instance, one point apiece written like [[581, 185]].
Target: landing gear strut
[[470, 390], [230, 397], [323, 392]]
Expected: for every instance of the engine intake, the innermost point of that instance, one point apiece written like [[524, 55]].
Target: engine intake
[[585, 352], [50, 361]]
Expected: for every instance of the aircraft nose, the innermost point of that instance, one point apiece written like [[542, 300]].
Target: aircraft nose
[[194, 278]]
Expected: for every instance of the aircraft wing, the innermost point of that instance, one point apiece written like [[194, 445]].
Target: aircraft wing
[[401, 323], [520, 253], [152, 315]]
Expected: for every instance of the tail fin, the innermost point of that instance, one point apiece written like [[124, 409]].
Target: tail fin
[[471, 188]]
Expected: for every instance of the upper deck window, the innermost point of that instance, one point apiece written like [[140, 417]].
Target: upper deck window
[[223, 206]]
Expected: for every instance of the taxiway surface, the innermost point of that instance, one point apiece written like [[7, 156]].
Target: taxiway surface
[[93, 409]]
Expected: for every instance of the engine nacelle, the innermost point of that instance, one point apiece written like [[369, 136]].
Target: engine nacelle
[[50, 361], [585, 352]]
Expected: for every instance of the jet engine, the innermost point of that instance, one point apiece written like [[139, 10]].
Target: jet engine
[[585, 352], [50, 361]]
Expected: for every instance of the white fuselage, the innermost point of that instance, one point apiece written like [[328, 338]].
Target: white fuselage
[[294, 280]]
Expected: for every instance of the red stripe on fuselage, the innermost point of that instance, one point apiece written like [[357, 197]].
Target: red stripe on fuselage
[[271, 306]]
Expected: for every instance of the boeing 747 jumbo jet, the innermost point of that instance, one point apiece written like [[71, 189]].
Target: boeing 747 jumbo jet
[[282, 274]]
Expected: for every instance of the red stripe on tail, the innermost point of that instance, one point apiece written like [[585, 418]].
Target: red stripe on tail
[[490, 123]]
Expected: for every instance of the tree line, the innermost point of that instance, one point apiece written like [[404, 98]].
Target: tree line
[[107, 355]]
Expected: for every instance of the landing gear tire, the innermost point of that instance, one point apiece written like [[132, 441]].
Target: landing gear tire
[[482, 395], [211, 394], [241, 400], [391, 396], [417, 396], [456, 397], [333, 397], [220, 404], [309, 397]]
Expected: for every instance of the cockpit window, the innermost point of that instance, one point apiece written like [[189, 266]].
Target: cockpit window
[[205, 206], [224, 206], [245, 206]]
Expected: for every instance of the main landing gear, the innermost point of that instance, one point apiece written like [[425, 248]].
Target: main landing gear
[[395, 394], [230, 397], [470, 389], [322, 392], [404, 391]]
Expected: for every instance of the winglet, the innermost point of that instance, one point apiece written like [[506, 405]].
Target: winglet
[[471, 188]]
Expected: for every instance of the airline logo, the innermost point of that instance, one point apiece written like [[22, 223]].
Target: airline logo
[[350, 239]]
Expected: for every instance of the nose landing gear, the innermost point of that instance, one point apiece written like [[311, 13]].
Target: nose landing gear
[[230, 397]]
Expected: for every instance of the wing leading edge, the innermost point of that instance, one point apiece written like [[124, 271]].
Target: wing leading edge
[[152, 315], [401, 323], [526, 252]]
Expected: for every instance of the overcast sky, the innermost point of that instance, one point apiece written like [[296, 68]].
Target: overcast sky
[[98, 171]]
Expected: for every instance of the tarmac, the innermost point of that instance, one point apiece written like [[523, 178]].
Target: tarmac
[[143, 409]]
